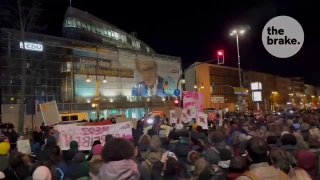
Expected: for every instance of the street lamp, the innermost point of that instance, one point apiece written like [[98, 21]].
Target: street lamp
[[236, 32]]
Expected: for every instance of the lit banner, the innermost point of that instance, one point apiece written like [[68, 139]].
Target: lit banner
[[122, 73], [192, 103], [155, 76]]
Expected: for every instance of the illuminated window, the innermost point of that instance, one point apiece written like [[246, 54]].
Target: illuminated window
[[116, 35], [112, 34], [89, 27], [84, 25], [78, 24], [105, 32], [148, 50], [109, 33]]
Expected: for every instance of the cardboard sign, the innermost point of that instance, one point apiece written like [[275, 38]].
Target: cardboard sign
[[24, 146], [173, 117], [86, 135], [202, 120], [50, 113]]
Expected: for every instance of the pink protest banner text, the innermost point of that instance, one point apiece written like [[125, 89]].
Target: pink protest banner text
[[86, 135], [192, 103]]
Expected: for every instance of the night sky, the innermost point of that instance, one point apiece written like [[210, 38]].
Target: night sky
[[194, 30]]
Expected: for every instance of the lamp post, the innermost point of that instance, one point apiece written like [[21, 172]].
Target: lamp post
[[236, 32], [96, 103]]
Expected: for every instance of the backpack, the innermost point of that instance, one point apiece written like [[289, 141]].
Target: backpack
[[148, 165], [282, 176]]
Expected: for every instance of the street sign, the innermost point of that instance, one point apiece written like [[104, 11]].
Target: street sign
[[177, 92], [239, 90]]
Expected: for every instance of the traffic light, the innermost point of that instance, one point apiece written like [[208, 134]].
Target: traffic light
[[220, 56], [176, 102]]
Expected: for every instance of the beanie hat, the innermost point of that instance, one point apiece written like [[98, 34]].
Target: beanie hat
[[42, 173], [4, 148], [74, 145], [97, 149]]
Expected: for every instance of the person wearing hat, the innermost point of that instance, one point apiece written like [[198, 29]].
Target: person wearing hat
[[4, 152]]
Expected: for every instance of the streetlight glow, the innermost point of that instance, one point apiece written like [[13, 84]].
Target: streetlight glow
[[234, 31], [242, 31], [104, 81], [195, 86], [202, 87], [88, 80]]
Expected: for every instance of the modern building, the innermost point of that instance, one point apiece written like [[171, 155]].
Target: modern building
[[215, 82], [96, 67]]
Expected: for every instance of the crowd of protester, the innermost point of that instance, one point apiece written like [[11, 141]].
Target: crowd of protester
[[246, 147]]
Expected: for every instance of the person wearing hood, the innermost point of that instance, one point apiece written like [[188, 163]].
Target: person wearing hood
[[118, 164], [78, 167]]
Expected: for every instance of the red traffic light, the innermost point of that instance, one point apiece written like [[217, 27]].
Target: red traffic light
[[176, 101], [220, 56]]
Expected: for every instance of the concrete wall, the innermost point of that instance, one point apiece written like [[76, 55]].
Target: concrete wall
[[10, 113]]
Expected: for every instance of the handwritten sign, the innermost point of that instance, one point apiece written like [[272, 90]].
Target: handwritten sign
[[50, 113], [202, 120], [192, 103], [24, 146], [86, 135]]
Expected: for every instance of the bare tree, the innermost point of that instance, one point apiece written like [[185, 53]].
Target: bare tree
[[23, 18]]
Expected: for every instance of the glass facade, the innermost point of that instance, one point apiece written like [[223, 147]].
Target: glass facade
[[76, 74]]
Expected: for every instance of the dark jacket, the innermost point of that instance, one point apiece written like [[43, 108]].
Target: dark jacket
[[182, 149], [141, 89], [78, 167]]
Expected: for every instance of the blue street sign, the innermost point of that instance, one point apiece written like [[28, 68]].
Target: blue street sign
[[177, 92]]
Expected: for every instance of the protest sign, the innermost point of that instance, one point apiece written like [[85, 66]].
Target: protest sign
[[86, 135], [173, 117], [202, 120], [24, 146], [193, 103], [50, 113]]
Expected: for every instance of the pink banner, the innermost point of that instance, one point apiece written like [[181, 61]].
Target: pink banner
[[86, 135], [192, 103]]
